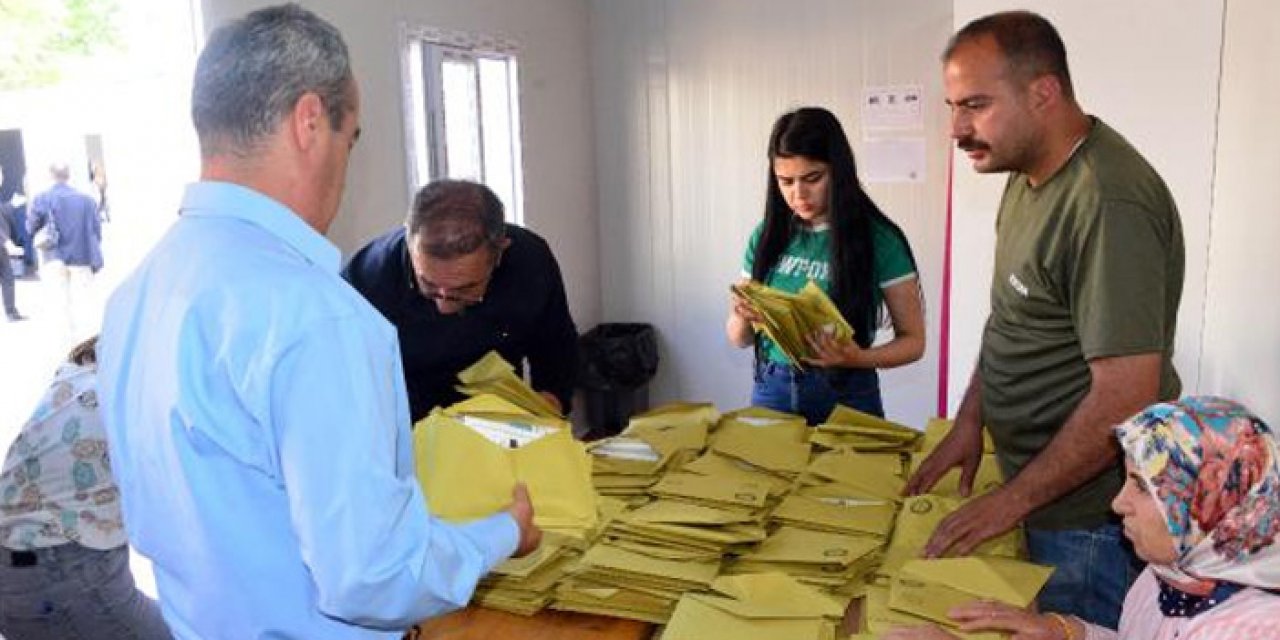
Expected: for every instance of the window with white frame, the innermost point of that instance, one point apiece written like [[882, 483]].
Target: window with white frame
[[463, 115]]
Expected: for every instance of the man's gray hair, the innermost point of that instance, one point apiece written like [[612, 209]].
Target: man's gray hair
[[452, 218], [253, 71]]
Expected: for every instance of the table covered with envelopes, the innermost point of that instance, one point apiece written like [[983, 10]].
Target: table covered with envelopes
[[748, 524]]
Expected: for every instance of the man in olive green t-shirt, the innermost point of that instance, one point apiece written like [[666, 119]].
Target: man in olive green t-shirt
[[1087, 280]]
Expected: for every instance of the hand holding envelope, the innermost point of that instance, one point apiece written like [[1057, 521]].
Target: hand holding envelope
[[791, 320], [468, 467], [932, 588], [493, 375]]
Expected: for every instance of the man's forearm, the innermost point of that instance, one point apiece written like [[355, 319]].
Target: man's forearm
[[1086, 446]]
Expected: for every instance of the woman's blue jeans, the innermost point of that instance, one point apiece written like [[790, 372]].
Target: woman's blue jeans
[[813, 392]]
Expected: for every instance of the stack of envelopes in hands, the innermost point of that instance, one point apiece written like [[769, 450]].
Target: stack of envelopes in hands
[[819, 558], [470, 456], [494, 376], [762, 606], [791, 319], [847, 427], [878, 618], [469, 463]]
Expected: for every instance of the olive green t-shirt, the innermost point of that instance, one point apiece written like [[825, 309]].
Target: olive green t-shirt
[[808, 257], [1087, 265]]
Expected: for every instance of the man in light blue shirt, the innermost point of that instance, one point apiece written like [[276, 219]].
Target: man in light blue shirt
[[254, 402]]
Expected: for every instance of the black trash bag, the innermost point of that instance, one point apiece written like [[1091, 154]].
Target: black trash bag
[[617, 355]]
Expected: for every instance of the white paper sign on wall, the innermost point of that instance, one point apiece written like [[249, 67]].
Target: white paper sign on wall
[[892, 107]]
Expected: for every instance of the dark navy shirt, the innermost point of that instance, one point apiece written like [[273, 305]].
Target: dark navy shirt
[[524, 316], [75, 216]]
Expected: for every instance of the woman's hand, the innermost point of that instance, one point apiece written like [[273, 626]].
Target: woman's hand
[[922, 632], [831, 352], [738, 327], [739, 305], [985, 615]]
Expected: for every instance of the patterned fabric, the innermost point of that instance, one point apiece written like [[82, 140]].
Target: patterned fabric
[[1248, 615], [1213, 469], [1180, 604], [56, 486]]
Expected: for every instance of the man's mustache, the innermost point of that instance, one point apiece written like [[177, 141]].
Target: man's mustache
[[972, 144]]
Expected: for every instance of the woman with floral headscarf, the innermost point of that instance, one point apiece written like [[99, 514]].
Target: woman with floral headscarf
[[1202, 506]]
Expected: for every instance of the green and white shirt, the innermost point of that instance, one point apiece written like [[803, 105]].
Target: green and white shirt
[[808, 257]]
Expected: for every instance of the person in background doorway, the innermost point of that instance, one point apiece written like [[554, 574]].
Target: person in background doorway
[[7, 289], [64, 561], [819, 224], [254, 402], [1084, 303], [457, 281], [98, 175], [73, 251]]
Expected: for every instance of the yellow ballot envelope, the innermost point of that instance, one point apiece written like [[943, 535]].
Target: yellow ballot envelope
[[872, 476], [878, 618], [936, 429], [698, 618], [838, 515], [677, 414], [790, 319], [919, 516], [986, 479], [491, 374], [931, 588], [774, 455], [773, 595], [468, 466], [763, 423]]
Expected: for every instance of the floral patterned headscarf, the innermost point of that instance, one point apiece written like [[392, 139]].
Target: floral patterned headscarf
[[1212, 467]]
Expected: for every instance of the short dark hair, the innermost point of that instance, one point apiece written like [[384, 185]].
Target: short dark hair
[[253, 71], [451, 218], [1029, 42]]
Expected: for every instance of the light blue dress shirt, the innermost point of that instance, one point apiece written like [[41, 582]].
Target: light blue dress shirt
[[258, 428]]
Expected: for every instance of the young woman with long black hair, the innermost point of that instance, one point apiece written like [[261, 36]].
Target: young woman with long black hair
[[819, 224]]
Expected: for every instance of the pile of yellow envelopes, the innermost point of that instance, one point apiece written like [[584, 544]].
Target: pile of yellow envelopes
[[790, 320], [748, 524]]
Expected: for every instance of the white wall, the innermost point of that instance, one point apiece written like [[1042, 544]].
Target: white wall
[[685, 94], [1241, 356], [1151, 72], [555, 99]]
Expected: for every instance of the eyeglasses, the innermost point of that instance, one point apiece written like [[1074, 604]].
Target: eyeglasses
[[465, 295]]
